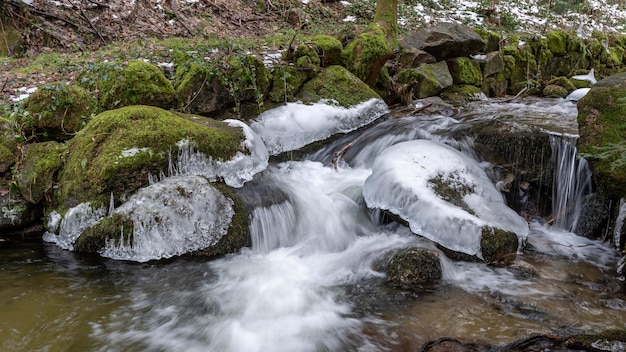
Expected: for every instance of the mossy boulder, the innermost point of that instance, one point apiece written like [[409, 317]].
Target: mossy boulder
[[139, 83], [445, 40], [492, 39], [11, 41], [495, 85], [330, 48], [412, 58], [366, 55], [220, 228], [491, 63], [462, 93], [305, 58], [250, 78], [554, 91], [465, 71], [118, 149], [338, 84], [498, 246], [56, 112], [8, 145], [563, 82], [427, 80], [286, 81], [35, 175], [602, 123], [200, 90], [414, 268], [557, 42]]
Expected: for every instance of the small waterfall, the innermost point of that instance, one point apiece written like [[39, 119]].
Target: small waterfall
[[278, 220], [571, 183]]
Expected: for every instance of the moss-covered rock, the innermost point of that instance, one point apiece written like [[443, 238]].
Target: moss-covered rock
[[462, 93], [563, 82], [11, 41], [56, 112], [492, 39], [119, 148], [200, 90], [557, 42], [465, 71], [305, 58], [554, 91], [330, 48], [412, 58], [492, 64], [495, 85], [497, 245], [250, 79], [110, 228], [366, 55], [139, 83], [286, 82], [427, 80], [8, 145], [35, 175], [413, 268], [338, 84], [602, 123]]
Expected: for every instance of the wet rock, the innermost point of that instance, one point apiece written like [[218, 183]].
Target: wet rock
[[462, 93], [495, 85], [554, 91], [338, 84], [413, 268], [16, 212], [445, 41], [498, 246], [56, 112]]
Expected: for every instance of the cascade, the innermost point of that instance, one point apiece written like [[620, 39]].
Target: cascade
[[571, 183]]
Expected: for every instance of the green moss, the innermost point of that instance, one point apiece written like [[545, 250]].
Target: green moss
[[554, 91], [8, 145], [366, 55], [139, 83], [602, 124], [452, 189], [498, 245], [117, 150], [35, 175], [56, 112], [426, 80], [413, 268], [330, 49], [563, 82], [557, 42], [250, 79], [492, 39], [286, 83], [336, 83], [306, 58], [461, 93], [465, 71], [587, 341], [94, 238]]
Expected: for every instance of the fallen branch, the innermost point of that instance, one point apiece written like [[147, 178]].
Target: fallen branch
[[344, 149], [524, 90], [92, 25]]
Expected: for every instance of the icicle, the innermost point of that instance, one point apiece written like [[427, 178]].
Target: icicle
[[111, 205], [619, 224]]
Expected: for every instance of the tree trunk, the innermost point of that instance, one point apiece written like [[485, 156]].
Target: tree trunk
[[387, 18]]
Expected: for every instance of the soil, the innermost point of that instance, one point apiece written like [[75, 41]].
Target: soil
[[78, 27]]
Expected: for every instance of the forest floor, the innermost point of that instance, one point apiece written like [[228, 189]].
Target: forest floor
[[60, 37]]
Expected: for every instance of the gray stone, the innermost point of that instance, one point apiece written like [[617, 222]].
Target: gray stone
[[445, 41]]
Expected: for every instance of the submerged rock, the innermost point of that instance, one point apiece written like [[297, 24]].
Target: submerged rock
[[413, 268], [35, 175]]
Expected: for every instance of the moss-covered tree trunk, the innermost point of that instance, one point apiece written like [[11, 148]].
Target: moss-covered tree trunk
[[367, 54]]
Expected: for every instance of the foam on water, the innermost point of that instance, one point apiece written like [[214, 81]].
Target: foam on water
[[401, 182], [295, 125]]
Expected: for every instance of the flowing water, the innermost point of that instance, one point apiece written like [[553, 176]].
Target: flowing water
[[311, 280]]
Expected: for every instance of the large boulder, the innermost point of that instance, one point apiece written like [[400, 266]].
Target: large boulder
[[366, 55], [338, 84], [446, 197], [118, 150], [601, 116], [56, 112], [445, 41], [176, 216]]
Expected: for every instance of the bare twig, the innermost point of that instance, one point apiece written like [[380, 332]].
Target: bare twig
[[99, 4]]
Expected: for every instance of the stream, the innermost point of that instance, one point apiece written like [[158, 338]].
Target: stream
[[312, 280]]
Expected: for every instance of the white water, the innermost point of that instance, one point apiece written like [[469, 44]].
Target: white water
[[289, 292]]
